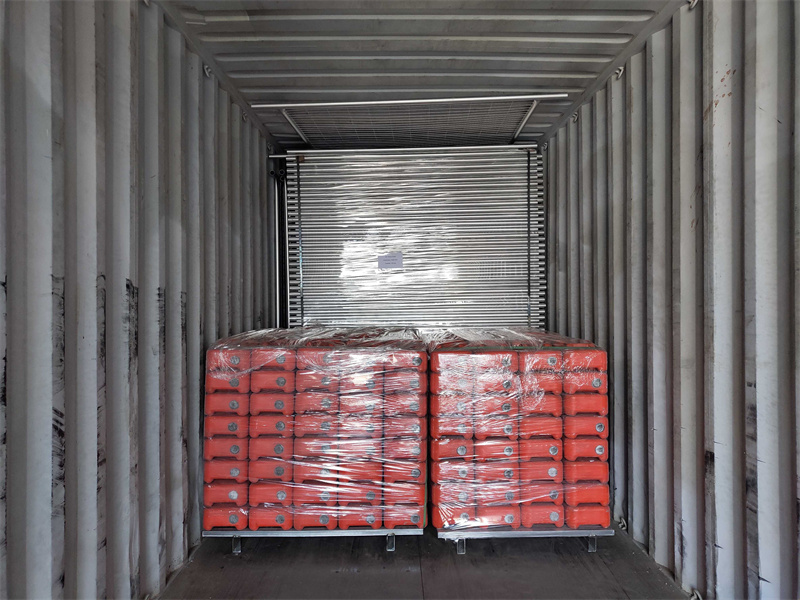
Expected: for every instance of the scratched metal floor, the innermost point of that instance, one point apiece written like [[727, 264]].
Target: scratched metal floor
[[422, 567]]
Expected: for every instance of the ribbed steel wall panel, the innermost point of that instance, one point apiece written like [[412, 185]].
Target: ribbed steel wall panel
[[700, 192], [460, 218], [109, 255]]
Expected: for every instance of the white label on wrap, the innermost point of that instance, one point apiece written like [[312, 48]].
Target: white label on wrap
[[393, 260]]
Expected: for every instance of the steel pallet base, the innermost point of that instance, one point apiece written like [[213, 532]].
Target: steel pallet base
[[460, 537], [236, 536]]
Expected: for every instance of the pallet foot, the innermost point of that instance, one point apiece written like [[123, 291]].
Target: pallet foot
[[461, 546], [236, 545], [591, 542], [390, 543]]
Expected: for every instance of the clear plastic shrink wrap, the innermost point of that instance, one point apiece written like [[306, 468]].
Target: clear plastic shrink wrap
[[316, 428], [519, 430]]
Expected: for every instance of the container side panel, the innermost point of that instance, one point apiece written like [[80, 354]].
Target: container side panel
[[636, 306], [586, 233], [235, 187], [224, 254], [152, 157], [120, 332], [3, 307], [599, 218], [211, 280], [769, 301], [573, 232], [175, 351], [194, 215], [81, 298], [617, 125], [658, 216], [247, 229], [562, 242], [32, 297], [687, 298]]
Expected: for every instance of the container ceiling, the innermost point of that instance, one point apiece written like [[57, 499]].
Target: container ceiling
[[309, 51]]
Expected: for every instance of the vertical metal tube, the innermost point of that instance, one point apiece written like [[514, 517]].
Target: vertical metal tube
[[256, 168], [270, 238], [551, 198]]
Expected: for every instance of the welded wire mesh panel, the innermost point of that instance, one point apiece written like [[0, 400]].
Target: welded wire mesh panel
[[410, 125], [416, 237]]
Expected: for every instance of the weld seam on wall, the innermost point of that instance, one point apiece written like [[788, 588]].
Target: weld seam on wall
[[81, 393], [658, 215]]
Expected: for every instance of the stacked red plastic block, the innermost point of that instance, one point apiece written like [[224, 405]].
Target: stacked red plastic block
[[316, 428], [518, 430]]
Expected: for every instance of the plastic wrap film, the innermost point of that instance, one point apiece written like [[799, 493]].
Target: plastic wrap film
[[519, 430], [316, 427]]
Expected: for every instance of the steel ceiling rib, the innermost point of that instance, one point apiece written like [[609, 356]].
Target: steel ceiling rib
[[303, 51], [459, 216]]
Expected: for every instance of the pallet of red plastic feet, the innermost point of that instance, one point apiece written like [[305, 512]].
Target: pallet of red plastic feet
[[519, 433], [316, 431]]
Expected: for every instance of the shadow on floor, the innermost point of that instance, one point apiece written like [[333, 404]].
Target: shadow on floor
[[421, 567]]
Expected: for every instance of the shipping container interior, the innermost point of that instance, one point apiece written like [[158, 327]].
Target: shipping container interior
[[144, 214]]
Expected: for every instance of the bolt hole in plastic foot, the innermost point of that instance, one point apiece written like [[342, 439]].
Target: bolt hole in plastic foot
[[236, 545], [461, 546], [390, 543]]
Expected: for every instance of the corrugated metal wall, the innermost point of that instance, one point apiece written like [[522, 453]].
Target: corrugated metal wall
[[132, 201], [675, 242]]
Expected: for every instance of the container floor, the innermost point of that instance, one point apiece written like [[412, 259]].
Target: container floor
[[421, 567]]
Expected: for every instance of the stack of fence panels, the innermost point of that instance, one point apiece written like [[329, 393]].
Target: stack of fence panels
[[518, 431], [316, 428]]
